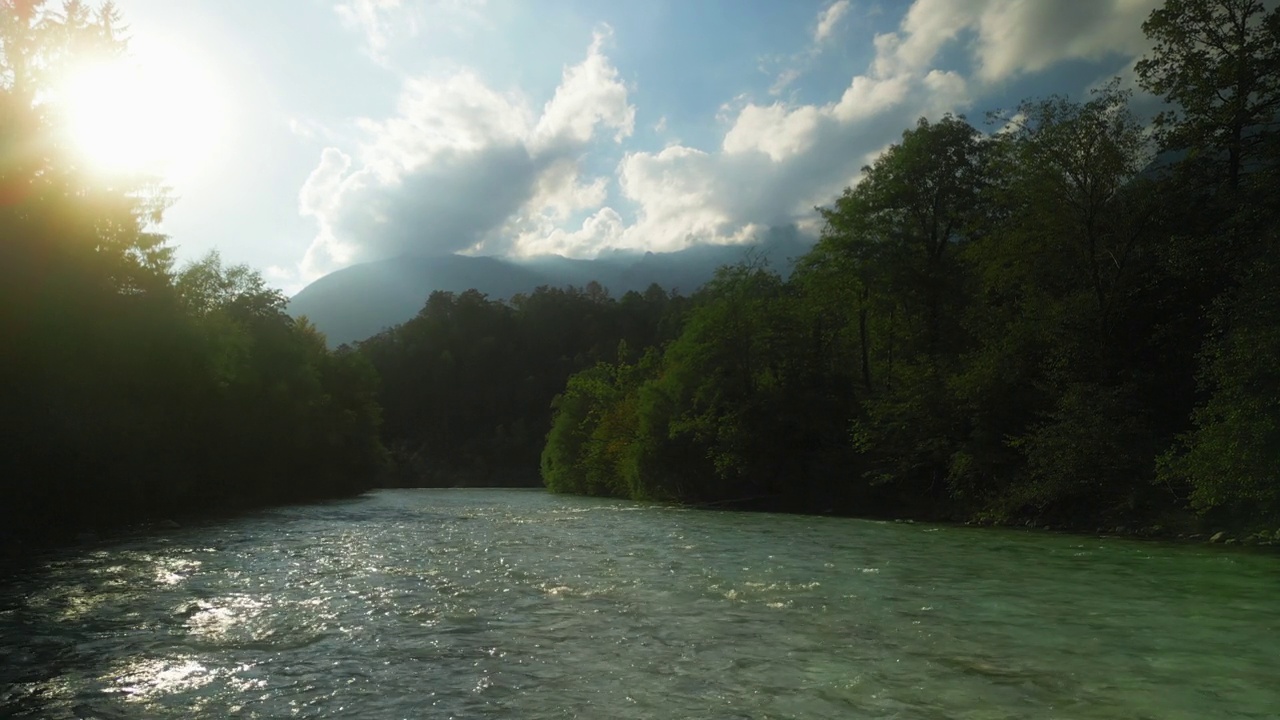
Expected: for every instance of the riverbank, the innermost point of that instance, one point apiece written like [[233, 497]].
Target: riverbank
[[19, 545], [1260, 538], [1186, 528]]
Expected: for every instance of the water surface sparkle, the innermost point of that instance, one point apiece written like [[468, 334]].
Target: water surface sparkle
[[524, 605]]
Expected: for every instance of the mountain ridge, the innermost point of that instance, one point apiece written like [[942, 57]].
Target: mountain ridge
[[359, 301]]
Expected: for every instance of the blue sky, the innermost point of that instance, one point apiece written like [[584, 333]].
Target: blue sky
[[364, 129]]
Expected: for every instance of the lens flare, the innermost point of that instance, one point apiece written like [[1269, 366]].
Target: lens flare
[[158, 111]]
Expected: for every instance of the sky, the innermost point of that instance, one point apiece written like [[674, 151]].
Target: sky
[[359, 130]]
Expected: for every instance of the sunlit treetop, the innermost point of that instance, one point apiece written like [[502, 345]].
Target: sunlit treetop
[[117, 109], [57, 197]]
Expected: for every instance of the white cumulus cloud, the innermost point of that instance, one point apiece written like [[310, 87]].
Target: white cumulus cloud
[[460, 164], [1014, 37], [829, 19], [590, 95]]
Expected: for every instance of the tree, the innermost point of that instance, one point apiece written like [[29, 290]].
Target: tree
[[1061, 268], [914, 206], [1231, 459], [1218, 63], [468, 384], [896, 239], [130, 391], [1003, 328], [724, 370], [1074, 189]]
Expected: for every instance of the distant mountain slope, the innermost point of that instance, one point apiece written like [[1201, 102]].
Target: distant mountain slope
[[356, 302]]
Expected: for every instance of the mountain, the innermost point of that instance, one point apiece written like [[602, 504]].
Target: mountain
[[356, 302]]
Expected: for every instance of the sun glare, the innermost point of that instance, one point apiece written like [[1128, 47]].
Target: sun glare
[[157, 112]]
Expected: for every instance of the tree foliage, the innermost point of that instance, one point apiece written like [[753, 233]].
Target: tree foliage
[[1056, 322], [133, 390], [1068, 320], [469, 382], [1215, 61]]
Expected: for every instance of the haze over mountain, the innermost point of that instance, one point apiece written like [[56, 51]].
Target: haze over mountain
[[358, 301]]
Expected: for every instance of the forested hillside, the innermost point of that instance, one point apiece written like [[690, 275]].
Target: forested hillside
[[359, 301], [133, 389], [1066, 315], [467, 384], [1032, 323]]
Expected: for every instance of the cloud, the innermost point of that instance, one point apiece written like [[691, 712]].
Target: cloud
[[784, 80], [313, 131], [776, 162], [601, 230], [1014, 37], [375, 19], [797, 64], [384, 23], [779, 159], [774, 130], [828, 19], [459, 165], [589, 95]]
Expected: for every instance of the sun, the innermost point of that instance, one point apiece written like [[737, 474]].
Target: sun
[[157, 112]]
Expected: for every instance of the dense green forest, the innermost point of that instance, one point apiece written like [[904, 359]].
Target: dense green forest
[[1073, 319], [133, 389], [1070, 317], [467, 384]]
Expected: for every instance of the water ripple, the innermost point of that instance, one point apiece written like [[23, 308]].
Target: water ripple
[[525, 605]]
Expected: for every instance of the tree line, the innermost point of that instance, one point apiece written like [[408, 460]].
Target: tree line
[[134, 389], [467, 383], [1072, 318], [1069, 320]]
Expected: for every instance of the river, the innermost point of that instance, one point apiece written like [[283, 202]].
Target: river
[[520, 604]]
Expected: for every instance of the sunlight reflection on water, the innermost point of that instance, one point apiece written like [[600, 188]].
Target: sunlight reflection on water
[[524, 605], [144, 679]]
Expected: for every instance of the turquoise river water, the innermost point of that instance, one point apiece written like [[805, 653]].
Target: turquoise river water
[[520, 604]]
